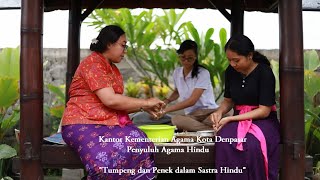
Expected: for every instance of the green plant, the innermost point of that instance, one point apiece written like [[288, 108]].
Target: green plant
[[311, 103], [9, 112], [152, 39], [132, 89], [211, 54], [144, 31], [317, 168], [56, 105], [52, 172], [312, 106], [275, 70], [9, 89], [161, 91], [6, 152], [147, 84]]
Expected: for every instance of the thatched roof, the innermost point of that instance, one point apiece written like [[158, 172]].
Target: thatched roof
[[10, 4], [249, 5], [311, 5]]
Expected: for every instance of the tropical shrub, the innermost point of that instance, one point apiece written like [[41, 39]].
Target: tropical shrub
[[6, 152], [9, 110], [161, 91], [54, 108], [133, 89], [316, 171], [9, 89], [152, 39], [212, 55], [311, 100]]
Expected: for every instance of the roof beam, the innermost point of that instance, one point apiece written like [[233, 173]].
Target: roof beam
[[223, 11], [95, 5], [250, 5]]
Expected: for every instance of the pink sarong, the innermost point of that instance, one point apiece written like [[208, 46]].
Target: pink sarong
[[246, 126], [123, 119]]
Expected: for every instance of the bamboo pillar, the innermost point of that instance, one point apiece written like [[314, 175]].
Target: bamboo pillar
[[291, 89], [73, 42], [237, 13], [31, 89]]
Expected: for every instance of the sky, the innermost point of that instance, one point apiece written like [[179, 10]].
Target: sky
[[261, 28]]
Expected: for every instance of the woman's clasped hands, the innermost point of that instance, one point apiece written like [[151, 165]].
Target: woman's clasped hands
[[155, 106], [218, 120], [157, 110]]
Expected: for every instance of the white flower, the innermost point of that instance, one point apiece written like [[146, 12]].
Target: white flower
[[102, 156], [118, 145], [94, 41], [134, 133]]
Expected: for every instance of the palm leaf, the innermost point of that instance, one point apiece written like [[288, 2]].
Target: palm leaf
[[9, 62], [7, 151], [9, 91]]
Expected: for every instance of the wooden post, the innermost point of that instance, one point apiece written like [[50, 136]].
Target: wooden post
[[291, 90], [237, 12], [73, 42], [31, 89]]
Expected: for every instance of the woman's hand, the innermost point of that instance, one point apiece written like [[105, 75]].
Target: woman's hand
[[221, 123], [155, 103], [151, 111], [215, 118], [159, 114], [154, 106], [218, 121]]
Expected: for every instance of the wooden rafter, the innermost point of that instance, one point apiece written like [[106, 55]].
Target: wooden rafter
[[250, 5]]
